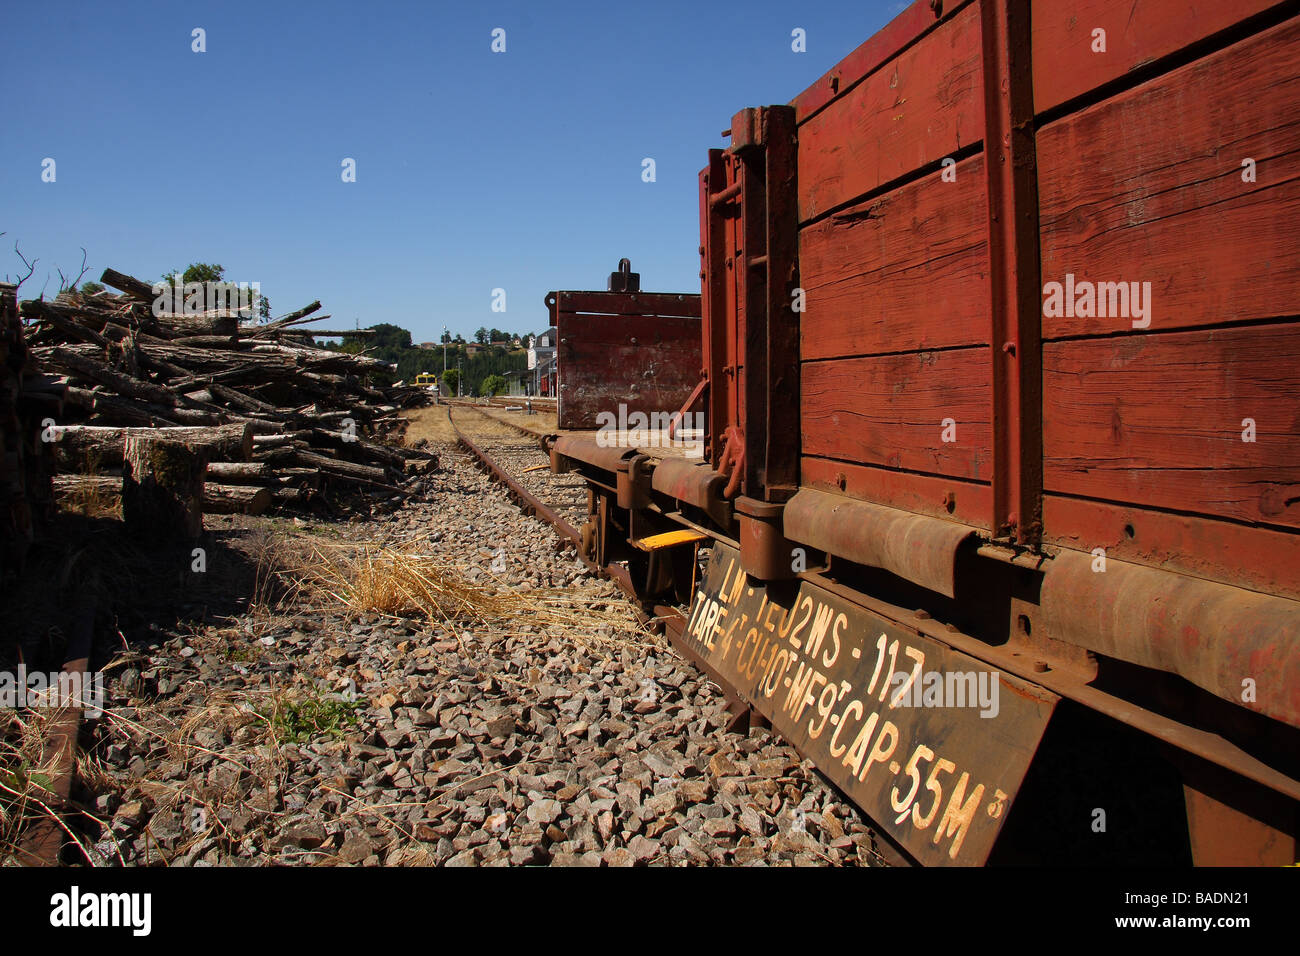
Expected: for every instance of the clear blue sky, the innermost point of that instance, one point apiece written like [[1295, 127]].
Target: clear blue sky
[[475, 170]]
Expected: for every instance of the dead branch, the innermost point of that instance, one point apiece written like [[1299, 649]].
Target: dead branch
[[31, 266]]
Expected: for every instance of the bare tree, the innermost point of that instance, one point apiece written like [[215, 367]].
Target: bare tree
[[64, 284]]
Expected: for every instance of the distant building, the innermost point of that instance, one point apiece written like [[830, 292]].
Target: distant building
[[428, 345], [541, 346], [545, 379], [541, 362], [518, 383]]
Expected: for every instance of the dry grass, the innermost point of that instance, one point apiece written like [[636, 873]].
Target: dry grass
[[431, 424], [541, 422], [245, 732], [91, 495], [275, 556], [406, 584], [476, 422], [28, 767]]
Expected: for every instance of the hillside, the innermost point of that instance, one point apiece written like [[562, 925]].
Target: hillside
[[392, 343]]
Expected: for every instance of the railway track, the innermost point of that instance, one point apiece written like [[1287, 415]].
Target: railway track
[[514, 460], [512, 455], [518, 453]]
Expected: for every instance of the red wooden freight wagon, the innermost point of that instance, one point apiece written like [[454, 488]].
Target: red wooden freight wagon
[[1003, 386]]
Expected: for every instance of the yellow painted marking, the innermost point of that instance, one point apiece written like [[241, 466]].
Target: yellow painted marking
[[668, 539]]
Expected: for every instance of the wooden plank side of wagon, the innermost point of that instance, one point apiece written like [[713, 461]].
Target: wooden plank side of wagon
[[908, 270], [923, 411], [1201, 421], [918, 108], [1150, 187], [1071, 58]]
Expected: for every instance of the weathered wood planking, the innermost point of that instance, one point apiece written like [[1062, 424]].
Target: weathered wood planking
[[648, 363], [1260, 559], [907, 271], [1157, 420], [916, 109], [1148, 187], [878, 49], [889, 410], [971, 502], [625, 303], [1065, 64]]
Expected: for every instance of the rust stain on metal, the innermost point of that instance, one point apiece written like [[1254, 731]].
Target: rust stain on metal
[[624, 353], [915, 547]]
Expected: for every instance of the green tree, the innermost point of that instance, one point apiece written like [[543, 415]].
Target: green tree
[[204, 272], [481, 336], [450, 379], [492, 385], [198, 272], [389, 342], [214, 272], [90, 288]]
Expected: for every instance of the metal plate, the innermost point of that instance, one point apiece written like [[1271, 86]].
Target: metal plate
[[931, 744], [625, 364]]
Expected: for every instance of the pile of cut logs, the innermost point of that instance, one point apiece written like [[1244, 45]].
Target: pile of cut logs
[[274, 419], [25, 465]]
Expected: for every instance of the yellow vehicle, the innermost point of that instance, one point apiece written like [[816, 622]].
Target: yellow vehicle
[[427, 380]]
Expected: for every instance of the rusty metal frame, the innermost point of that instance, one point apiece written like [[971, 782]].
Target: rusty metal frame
[[1074, 686], [914, 547], [1213, 635], [718, 358], [1014, 272], [763, 139]]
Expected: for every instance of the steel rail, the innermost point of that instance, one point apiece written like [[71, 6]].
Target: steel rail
[[534, 505]]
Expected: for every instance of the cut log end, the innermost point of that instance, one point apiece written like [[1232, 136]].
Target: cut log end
[[162, 488]]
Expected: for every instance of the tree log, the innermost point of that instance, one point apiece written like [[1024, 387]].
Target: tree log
[[101, 483], [357, 447], [119, 382], [75, 443], [128, 284], [88, 489], [278, 441], [238, 472], [346, 469], [422, 466], [298, 477], [236, 499], [162, 487], [207, 341], [121, 411]]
